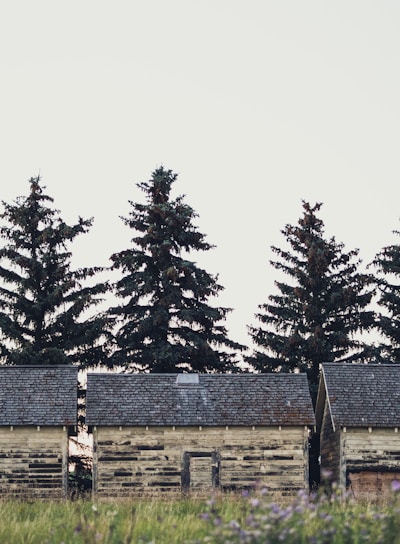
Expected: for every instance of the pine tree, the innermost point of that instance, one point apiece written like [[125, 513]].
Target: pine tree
[[315, 318], [166, 323], [42, 301], [387, 263]]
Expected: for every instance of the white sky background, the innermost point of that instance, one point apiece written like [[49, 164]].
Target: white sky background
[[256, 104]]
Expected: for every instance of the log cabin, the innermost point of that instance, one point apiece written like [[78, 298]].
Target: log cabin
[[38, 407], [174, 433], [358, 420]]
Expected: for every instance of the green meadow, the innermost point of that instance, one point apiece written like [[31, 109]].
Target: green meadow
[[228, 519], [85, 522]]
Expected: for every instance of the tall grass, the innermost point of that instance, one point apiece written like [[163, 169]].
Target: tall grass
[[83, 522], [252, 519]]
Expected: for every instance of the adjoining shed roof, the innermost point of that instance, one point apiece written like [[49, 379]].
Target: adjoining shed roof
[[38, 395], [360, 395], [209, 400]]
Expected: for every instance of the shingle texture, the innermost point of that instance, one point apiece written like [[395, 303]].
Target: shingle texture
[[217, 399], [38, 395], [363, 395]]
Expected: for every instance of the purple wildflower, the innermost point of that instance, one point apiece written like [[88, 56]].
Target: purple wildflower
[[275, 508], [326, 474], [395, 486]]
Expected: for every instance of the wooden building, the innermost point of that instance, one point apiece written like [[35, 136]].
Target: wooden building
[[38, 404], [187, 432], [358, 418]]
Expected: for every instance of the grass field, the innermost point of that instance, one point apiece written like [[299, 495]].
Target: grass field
[[85, 522], [253, 519]]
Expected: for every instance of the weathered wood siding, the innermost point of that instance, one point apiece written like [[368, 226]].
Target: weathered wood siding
[[330, 447], [33, 463], [371, 460], [138, 460]]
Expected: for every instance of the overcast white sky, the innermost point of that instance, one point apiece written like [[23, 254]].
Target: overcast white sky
[[256, 104]]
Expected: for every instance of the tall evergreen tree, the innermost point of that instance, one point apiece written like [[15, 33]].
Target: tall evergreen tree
[[42, 301], [315, 317], [387, 263], [166, 323]]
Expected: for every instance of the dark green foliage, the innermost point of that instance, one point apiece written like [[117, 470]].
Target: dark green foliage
[[42, 301], [166, 324], [387, 263], [315, 317]]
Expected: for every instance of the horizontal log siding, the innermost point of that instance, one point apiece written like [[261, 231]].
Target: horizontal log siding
[[33, 463], [371, 460], [135, 461]]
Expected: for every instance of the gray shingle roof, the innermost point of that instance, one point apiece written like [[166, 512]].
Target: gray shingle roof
[[217, 399], [38, 395], [361, 395]]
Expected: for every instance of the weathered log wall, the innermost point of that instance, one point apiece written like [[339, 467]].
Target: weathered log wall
[[371, 460], [33, 462], [131, 461]]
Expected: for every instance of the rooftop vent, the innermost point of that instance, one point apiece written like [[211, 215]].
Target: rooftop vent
[[187, 379]]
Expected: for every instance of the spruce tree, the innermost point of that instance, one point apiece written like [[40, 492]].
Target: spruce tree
[[165, 321], [43, 303], [387, 263], [314, 318]]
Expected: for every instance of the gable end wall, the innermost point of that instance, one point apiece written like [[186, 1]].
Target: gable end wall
[[330, 447]]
